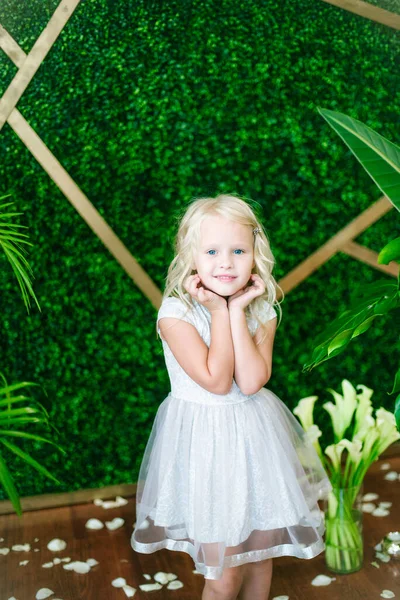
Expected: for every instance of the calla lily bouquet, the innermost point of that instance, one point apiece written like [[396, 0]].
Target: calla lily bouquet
[[363, 438]]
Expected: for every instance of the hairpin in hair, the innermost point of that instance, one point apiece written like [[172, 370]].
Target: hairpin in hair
[[256, 230]]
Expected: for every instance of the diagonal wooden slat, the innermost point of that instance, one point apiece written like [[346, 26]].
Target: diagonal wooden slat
[[368, 11], [28, 65], [324, 253], [11, 48], [35, 58], [83, 206]]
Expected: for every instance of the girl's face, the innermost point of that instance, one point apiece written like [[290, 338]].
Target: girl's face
[[225, 258]]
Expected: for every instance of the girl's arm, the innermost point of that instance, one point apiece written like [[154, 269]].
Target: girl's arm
[[211, 368], [253, 364]]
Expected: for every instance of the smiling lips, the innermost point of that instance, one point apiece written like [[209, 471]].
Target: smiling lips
[[226, 278]]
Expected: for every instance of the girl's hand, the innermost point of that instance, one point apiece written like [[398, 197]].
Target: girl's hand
[[207, 298], [243, 297]]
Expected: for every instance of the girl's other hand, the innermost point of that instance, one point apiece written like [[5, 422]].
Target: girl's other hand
[[207, 298], [243, 297]]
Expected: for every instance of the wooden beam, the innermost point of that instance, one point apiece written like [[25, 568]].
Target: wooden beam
[[368, 11], [331, 247]]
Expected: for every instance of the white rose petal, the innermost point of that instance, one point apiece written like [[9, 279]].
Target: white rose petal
[[391, 476], [378, 546], [98, 501], [110, 504], [121, 501], [56, 561], [375, 564], [394, 536], [43, 593], [387, 594], [1, 539], [149, 587], [48, 565], [385, 504], [92, 562], [94, 524], [368, 507], [56, 545], [66, 559], [385, 466], [281, 598], [4, 550], [370, 497], [383, 557], [36, 540], [12, 598], [161, 577], [171, 576], [129, 591], [21, 547], [23, 562], [115, 523], [322, 580], [175, 585], [78, 566], [36, 549], [119, 582], [380, 512], [146, 576]]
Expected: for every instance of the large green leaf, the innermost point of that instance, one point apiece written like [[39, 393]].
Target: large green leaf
[[379, 157], [352, 323], [390, 252]]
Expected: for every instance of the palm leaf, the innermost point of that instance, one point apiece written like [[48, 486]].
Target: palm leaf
[[30, 436], [377, 155], [28, 459], [8, 484]]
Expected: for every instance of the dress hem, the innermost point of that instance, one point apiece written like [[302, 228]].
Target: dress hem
[[233, 560]]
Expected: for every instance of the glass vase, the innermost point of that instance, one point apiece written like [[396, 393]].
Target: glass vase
[[344, 547]]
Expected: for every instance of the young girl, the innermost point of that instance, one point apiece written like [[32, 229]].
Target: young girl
[[228, 475]]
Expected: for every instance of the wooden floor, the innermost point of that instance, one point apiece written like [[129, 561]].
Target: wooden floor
[[292, 576]]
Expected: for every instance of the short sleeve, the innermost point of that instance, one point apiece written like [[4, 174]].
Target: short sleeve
[[174, 307], [268, 312]]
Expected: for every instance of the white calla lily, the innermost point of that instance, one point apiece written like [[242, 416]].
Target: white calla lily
[[304, 411], [334, 451], [353, 448]]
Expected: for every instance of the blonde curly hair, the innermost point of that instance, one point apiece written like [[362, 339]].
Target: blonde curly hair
[[187, 239]]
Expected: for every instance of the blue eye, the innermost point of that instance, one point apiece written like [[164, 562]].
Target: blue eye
[[210, 251], [240, 250]]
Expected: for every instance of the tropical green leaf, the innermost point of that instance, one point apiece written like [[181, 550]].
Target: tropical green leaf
[[397, 411], [28, 459], [21, 420], [396, 384], [376, 154], [363, 327], [390, 252], [342, 339], [30, 436], [8, 484]]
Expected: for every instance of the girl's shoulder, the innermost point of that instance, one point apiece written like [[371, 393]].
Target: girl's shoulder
[[173, 306]]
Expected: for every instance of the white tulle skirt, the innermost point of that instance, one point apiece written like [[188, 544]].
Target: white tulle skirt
[[229, 484]]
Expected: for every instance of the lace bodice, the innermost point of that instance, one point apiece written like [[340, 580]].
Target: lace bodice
[[182, 386]]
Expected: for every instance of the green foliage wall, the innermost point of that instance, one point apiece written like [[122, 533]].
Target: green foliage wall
[[146, 105]]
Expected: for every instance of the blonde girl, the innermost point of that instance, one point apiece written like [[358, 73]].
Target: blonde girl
[[228, 475]]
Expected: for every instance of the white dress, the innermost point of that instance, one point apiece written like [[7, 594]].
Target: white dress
[[228, 479]]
